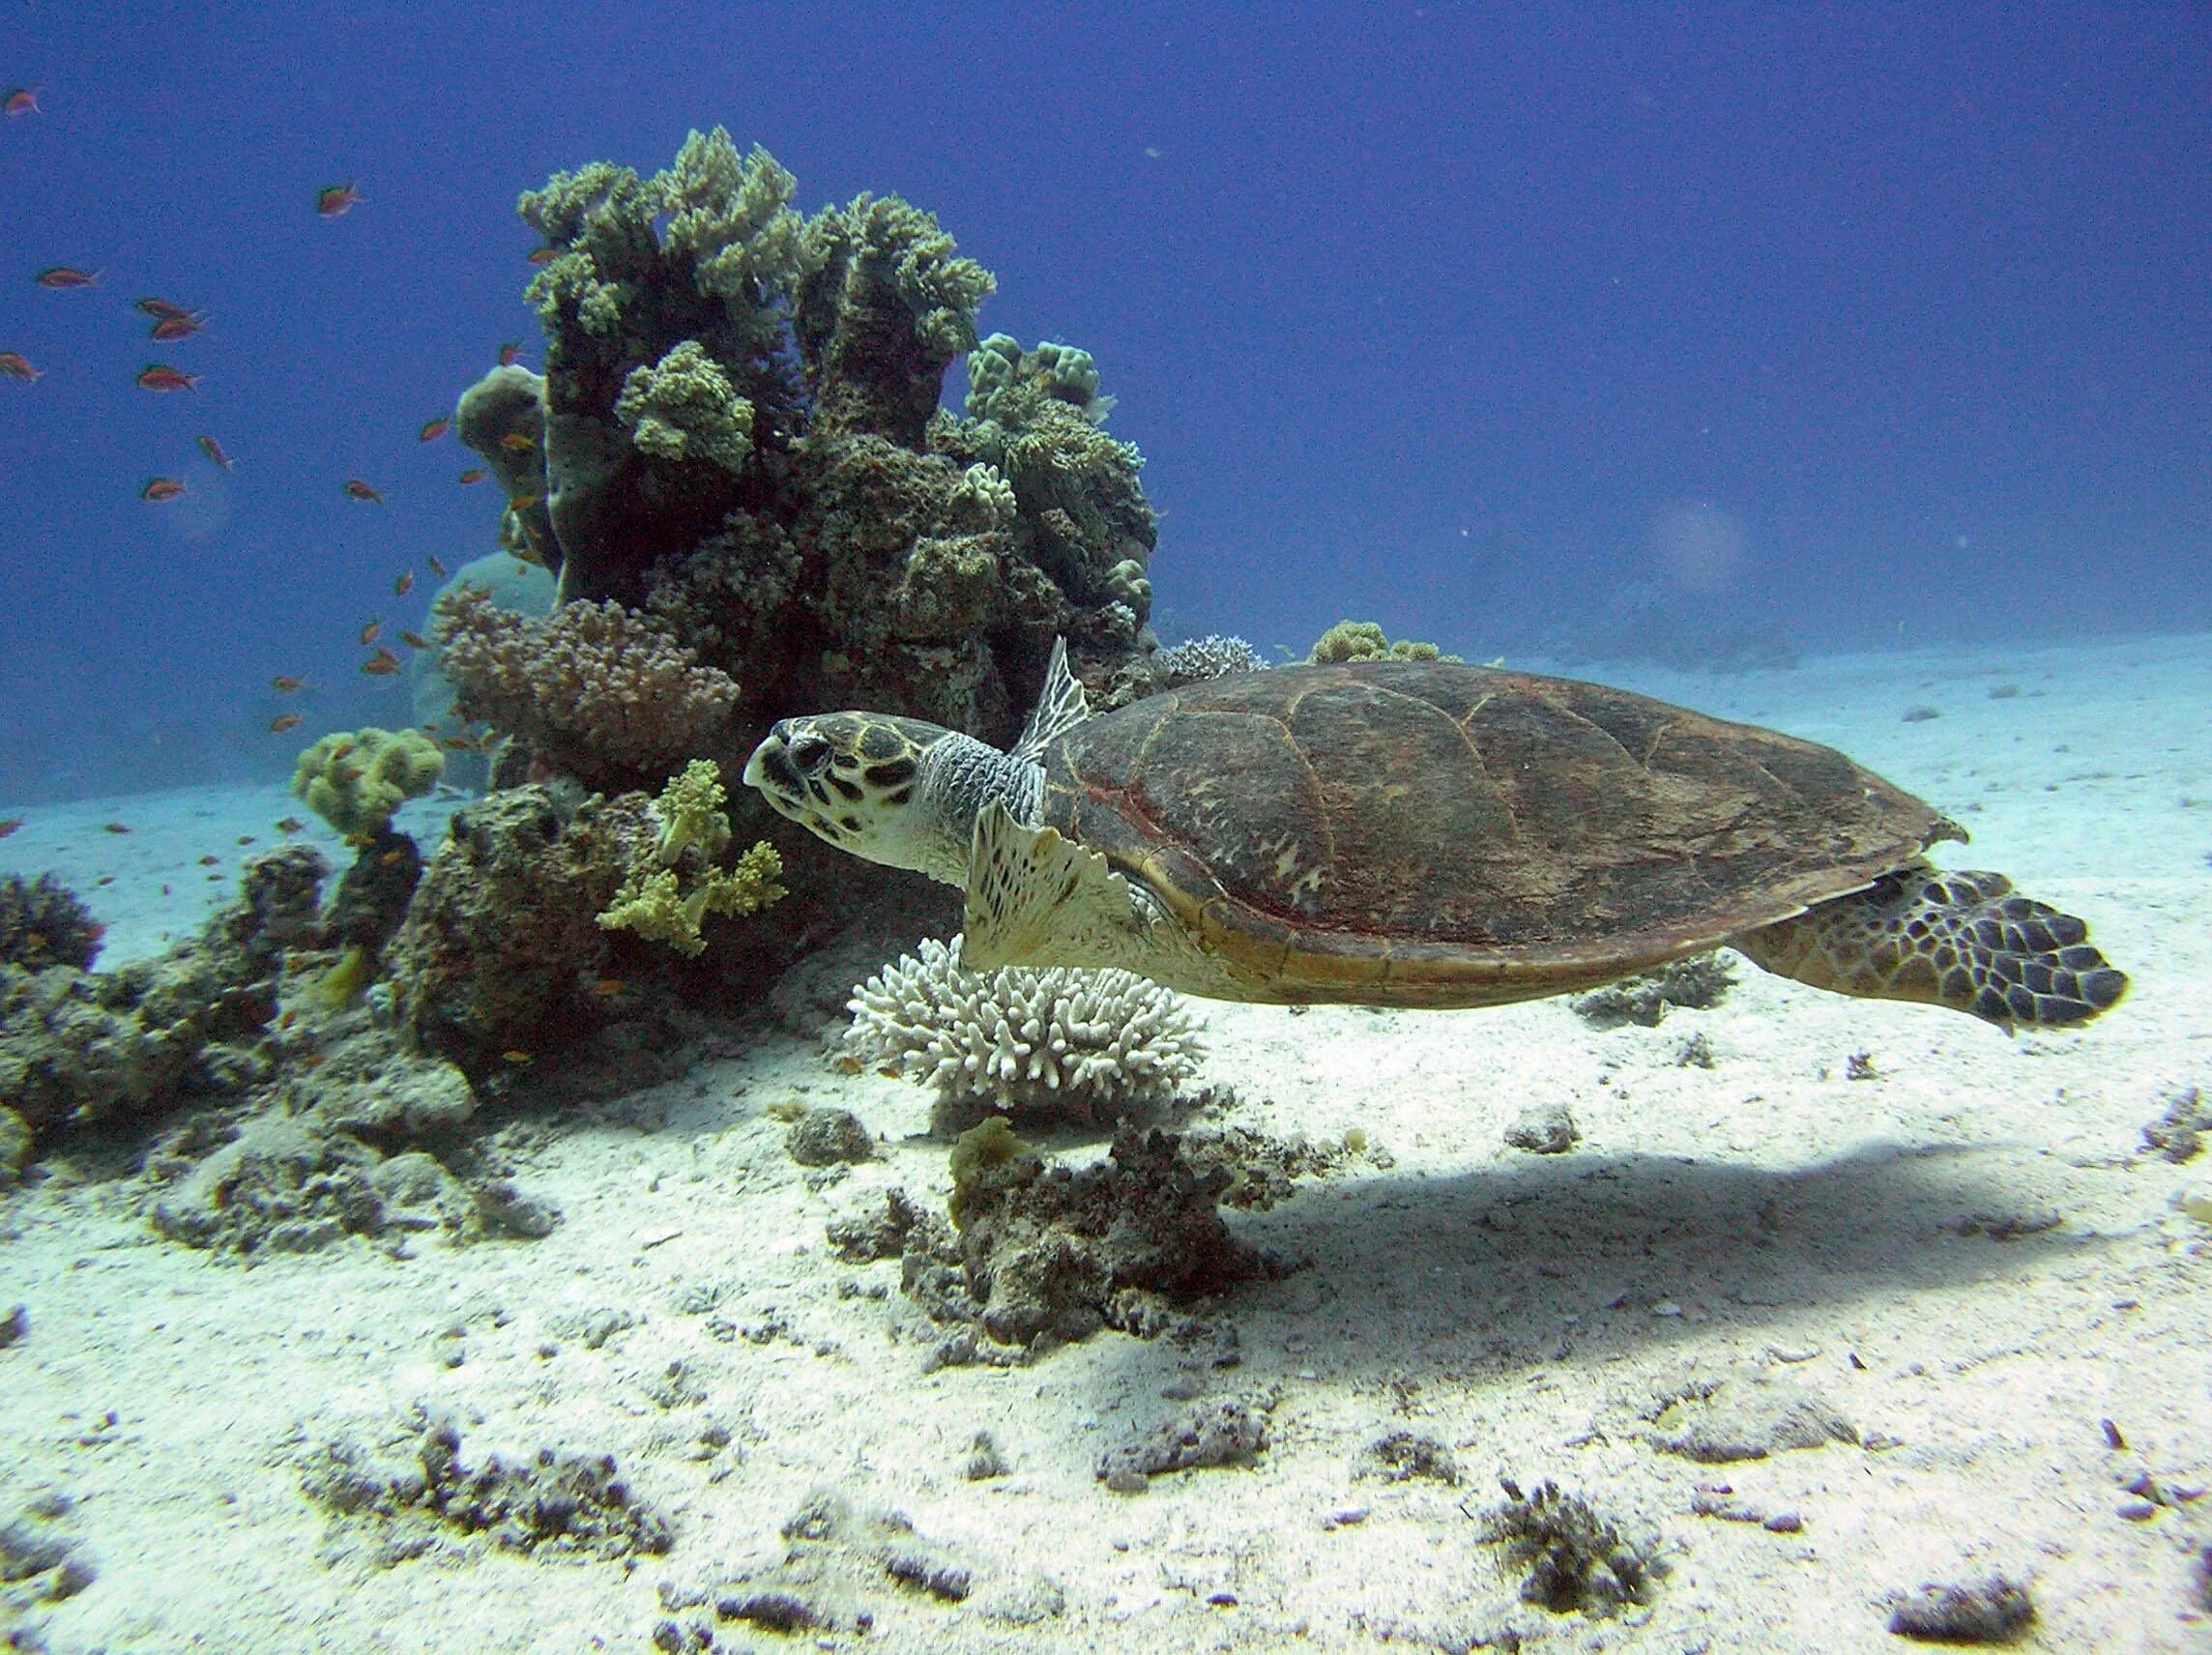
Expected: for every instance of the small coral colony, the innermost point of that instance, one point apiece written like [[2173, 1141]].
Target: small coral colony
[[734, 494]]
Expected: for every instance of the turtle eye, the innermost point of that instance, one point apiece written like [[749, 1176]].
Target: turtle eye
[[809, 755]]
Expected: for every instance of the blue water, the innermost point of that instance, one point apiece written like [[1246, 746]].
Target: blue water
[[1849, 323]]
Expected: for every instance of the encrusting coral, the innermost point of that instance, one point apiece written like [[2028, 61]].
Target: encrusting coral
[[667, 895], [356, 781], [1079, 1045], [599, 690]]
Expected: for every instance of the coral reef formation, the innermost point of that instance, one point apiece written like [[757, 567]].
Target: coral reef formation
[[82, 1046], [356, 781], [500, 941], [42, 923], [738, 440], [603, 692], [666, 895], [1059, 1044], [1054, 1254]]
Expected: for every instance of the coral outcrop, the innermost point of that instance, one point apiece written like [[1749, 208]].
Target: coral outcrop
[[502, 937], [737, 439], [137, 1041], [42, 923], [1055, 1045], [667, 895], [1365, 641]]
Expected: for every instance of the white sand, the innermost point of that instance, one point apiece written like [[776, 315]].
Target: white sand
[[1766, 1216]]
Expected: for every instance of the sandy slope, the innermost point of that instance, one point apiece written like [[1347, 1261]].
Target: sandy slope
[[1765, 1222]]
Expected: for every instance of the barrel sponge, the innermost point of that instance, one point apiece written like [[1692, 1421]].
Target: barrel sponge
[[356, 781]]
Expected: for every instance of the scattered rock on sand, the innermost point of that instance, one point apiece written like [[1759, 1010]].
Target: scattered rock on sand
[[1215, 1434], [1996, 1611], [1747, 1419], [1544, 1129]]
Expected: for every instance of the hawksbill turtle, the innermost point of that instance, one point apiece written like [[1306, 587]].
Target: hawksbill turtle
[[1426, 834]]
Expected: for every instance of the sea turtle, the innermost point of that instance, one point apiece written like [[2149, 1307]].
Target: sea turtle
[[1425, 833]]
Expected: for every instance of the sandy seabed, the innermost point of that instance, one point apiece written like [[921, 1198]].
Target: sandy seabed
[[1951, 1249]]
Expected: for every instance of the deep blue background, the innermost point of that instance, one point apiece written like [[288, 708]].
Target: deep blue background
[[1432, 314]]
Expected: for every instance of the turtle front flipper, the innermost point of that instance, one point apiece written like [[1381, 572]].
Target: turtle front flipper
[[1962, 939]]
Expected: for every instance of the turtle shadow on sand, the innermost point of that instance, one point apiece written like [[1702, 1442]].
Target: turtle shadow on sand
[[1496, 1263]]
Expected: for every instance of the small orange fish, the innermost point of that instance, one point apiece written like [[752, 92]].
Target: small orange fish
[[544, 255], [16, 365], [209, 861], [519, 1059], [246, 838], [63, 276], [312, 1060], [340, 751], [114, 828], [161, 488], [285, 684], [381, 664], [289, 1018], [290, 824], [519, 442], [510, 353], [522, 503], [105, 879], [213, 451], [373, 630], [177, 328], [406, 584], [432, 431], [468, 477], [23, 101], [337, 200], [289, 721], [436, 567], [414, 640], [392, 859], [607, 988], [161, 376], [162, 310], [355, 489], [458, 744], [10, 825]]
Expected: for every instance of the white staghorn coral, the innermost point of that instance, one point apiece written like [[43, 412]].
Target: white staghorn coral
[[1077, 1044]]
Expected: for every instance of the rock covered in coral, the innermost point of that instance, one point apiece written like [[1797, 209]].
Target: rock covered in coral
[[1056, 1252], [138, 1040], [1065, 1044], [42, 923], [504, 928], [604, 693], [667, 895]]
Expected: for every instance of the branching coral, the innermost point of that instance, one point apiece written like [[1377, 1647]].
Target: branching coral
[[668, 893], [1210, 656], [1062, 1043], [597, 689]]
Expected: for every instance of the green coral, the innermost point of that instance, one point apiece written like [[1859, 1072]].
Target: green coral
[[1006, 383], [667, 896], [354, 782], [684, 407], [1364, 641]]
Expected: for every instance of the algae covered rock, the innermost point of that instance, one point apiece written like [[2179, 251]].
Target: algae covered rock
[[42, 923]]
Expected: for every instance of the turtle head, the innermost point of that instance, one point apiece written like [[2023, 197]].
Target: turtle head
[[859, 780]]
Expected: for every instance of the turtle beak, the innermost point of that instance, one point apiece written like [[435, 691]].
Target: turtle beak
[[769, 769]]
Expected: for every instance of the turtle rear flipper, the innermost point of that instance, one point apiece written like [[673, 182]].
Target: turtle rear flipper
[[1963, 940]]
